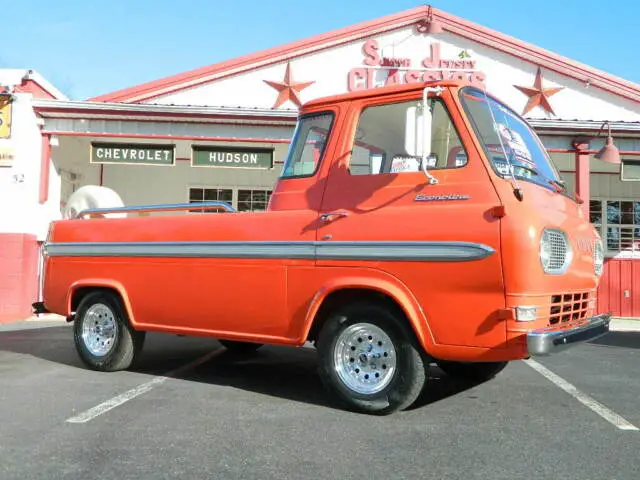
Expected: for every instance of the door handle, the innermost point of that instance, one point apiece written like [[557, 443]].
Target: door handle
[[325, 217]]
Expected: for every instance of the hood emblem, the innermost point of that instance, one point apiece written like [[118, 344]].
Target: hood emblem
[[440, 198]]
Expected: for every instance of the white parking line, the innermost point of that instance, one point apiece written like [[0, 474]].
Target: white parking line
[[582, 397], [139, 390]]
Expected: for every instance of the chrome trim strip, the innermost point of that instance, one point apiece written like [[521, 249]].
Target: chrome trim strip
[[546, 341], [407, 251], [376, 251], [182, 249]]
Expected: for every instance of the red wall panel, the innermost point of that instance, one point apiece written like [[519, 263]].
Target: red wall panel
[[18, 275], [616, 293]]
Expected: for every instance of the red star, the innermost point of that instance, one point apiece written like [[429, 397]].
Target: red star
[[538, 96], [288, 89]]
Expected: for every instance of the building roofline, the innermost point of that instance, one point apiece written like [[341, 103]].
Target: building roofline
[[57, 108], [45, 84], [452, 24], [22, 76]]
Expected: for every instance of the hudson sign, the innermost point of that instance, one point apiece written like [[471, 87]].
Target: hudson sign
[[381, 71], [210, 156]]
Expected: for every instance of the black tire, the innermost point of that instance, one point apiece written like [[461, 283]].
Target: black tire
[[125, 344], [474, 371], [240, 347], [400, 389]]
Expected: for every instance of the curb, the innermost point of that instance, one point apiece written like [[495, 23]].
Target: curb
[[624, 325], [45, 317]]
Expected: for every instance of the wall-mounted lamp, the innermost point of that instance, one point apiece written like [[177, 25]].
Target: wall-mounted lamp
[[6, 97], [429, 25], [609, 153]]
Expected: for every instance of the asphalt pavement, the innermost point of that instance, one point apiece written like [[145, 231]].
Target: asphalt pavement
[[265, 416]]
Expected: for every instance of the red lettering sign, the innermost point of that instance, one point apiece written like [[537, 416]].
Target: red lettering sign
[[381, 71]]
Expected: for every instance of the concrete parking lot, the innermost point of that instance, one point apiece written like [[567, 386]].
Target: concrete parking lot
[[265, 416]]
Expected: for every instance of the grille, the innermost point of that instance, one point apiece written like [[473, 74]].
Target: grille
[[569, 307], [598, 258], [559, 250]]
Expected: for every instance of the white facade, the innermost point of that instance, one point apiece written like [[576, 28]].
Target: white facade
[[20, 171], [330, 69]]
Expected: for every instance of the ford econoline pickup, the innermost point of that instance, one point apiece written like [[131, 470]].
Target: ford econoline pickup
[[410, 224]]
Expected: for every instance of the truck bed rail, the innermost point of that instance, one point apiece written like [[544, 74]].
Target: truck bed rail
[[168, 207]]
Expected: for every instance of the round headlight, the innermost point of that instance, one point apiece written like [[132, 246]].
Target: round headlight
[[598, 257], [545, 252], [555, 252]]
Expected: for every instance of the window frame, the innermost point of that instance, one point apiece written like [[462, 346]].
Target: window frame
[[269, 193], [604, 225], [447, 110], [333, 114], [209, 187], [636, 162]]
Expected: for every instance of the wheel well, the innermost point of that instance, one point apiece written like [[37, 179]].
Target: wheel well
[[350, 295], [81, 292]]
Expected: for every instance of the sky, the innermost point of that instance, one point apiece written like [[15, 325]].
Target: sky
[[92, 47]]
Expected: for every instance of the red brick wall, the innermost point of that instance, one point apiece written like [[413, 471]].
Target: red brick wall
[[18, 275]]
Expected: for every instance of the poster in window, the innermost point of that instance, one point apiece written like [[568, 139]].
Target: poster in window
[[514, 142]]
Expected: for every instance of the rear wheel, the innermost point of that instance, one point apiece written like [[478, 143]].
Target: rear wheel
[[240, 347], [368, 360], [476, 371], [103, 337]]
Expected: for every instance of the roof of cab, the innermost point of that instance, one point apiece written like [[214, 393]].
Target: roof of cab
[[380, 91]]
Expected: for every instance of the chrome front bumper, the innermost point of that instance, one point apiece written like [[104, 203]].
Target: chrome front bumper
[[546, 341]]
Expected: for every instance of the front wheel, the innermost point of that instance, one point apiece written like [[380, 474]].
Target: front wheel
[[102, 334], [368, 360], [475, 371]]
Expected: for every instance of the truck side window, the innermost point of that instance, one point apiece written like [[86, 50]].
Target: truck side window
[[307, 148], [379, 141]]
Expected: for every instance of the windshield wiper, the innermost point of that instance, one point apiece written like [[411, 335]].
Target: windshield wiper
[[525, 167]]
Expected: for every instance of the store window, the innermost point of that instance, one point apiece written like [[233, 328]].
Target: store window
[[200, 195], [253, 200], [630, 170], [618, 222], [379, 145]]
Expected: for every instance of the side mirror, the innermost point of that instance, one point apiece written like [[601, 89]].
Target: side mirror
[[417, 133]]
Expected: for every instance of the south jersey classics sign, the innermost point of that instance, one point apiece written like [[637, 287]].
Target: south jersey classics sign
[[382, 71]]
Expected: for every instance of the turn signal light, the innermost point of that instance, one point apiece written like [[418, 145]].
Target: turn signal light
[[526, 314]]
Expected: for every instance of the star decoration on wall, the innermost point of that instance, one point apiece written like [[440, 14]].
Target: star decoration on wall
[[288, 89], [538, 96]]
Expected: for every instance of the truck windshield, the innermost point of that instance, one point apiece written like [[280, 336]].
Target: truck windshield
[[508, 141]]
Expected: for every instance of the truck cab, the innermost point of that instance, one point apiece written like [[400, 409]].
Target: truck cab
[[410, 224]]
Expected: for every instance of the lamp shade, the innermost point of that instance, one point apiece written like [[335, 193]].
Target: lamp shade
[[609, 153]]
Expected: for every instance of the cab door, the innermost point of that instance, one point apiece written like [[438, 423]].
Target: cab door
[[380, 212]]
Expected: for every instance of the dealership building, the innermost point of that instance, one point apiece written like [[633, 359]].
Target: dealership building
[[221, 132]]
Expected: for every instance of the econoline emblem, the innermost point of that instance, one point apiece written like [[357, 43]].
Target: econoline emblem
[[440, 198]]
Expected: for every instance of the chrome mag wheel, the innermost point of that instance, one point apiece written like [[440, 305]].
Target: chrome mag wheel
[[99, 330], [364, 358]]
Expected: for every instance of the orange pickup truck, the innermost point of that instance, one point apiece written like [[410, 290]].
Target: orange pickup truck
[[410, 224]]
